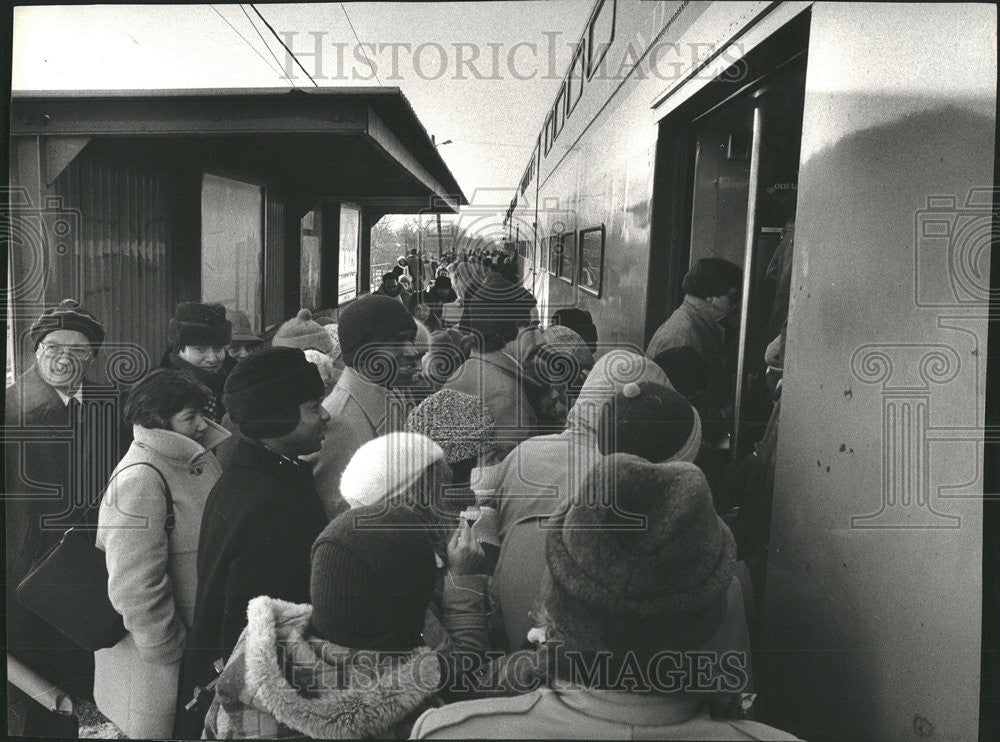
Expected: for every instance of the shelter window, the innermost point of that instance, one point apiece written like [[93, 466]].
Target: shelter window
[[574, 83], [232, 243], [602, 33], [350, 235], [310, 261]]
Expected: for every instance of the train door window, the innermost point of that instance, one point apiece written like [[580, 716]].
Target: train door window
[[543, 253], [574, 83], [743, 204], [547, 130], [232, 244], [602, 33]]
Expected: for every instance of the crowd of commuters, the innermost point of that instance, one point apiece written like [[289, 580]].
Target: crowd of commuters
[[399, 524]]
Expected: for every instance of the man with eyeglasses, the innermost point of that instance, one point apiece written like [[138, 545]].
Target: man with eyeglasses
[[58, 454]]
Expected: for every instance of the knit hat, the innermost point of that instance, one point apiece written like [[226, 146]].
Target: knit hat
[[639, 560], [371, 582], [242, 329], [373, 318], [263, 393], [651, 421], [68, 315], [194, 323], [302, 332], [685, 367], [386, 466], [495, 305], [570, 343], [460, 423]]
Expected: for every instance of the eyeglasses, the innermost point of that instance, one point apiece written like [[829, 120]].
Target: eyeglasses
[[79, 352]]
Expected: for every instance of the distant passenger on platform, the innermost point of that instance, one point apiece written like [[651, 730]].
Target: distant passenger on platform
[[712, 291], [415, 264], [347, 662], [502, 318], [152, 555], [440, 293], [376, 339], [262, 515], [389, 286], [243, 340], [198, 335]]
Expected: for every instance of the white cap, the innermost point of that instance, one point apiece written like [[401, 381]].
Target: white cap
[[386, 466]]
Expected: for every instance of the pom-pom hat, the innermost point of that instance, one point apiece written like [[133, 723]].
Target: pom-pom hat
[[303, 332], [652, 421]]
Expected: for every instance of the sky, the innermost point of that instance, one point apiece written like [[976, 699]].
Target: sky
[[481, 74]]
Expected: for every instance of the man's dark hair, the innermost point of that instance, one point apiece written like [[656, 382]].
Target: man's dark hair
[[389, 276], [161, 395], [580, 322], [712, 277]]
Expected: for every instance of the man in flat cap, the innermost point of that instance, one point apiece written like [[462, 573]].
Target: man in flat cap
[[58, 454]]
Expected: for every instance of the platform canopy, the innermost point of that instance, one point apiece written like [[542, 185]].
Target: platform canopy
[[362, 144]]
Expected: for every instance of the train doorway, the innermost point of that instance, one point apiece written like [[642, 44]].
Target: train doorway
[[725, 186]]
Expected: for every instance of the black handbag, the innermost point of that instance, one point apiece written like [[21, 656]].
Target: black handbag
[[68, 586]]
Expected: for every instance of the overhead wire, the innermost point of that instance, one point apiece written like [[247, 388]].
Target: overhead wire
[[264, 42], [372, 66], [247, 42], [280, 41]]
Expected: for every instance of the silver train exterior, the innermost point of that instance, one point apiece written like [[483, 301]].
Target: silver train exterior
[[874, 596]]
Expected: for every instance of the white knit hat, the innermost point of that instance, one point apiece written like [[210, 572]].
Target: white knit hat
[[386, 466]]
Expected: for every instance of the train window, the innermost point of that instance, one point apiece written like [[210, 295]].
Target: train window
[[602, 33], [555, 253], [543, 253], [547, 130], [559, 113], [567, 257], [591, 260], [574, 83]]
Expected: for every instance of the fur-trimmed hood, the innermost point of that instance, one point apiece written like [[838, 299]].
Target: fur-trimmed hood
[[314, 687]]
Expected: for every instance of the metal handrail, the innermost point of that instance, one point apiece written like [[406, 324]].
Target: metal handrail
[[38, 688]]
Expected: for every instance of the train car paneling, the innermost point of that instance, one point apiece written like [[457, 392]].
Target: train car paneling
[[600, 167], [874, 594]]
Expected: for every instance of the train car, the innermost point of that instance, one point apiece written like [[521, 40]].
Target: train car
[[685, 130]]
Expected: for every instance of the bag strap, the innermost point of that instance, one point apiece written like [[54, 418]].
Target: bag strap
[[169, 525]]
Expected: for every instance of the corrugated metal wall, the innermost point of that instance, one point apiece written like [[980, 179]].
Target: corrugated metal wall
[[123, 258], [274, 263]]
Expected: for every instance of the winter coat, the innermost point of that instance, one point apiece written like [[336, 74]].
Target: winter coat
[[359, 412], [52, 469], [260, 522], [152, 579], [536, 480], [282, 682], [498, 380], [560, 712], [215, 381], [697, 323]]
